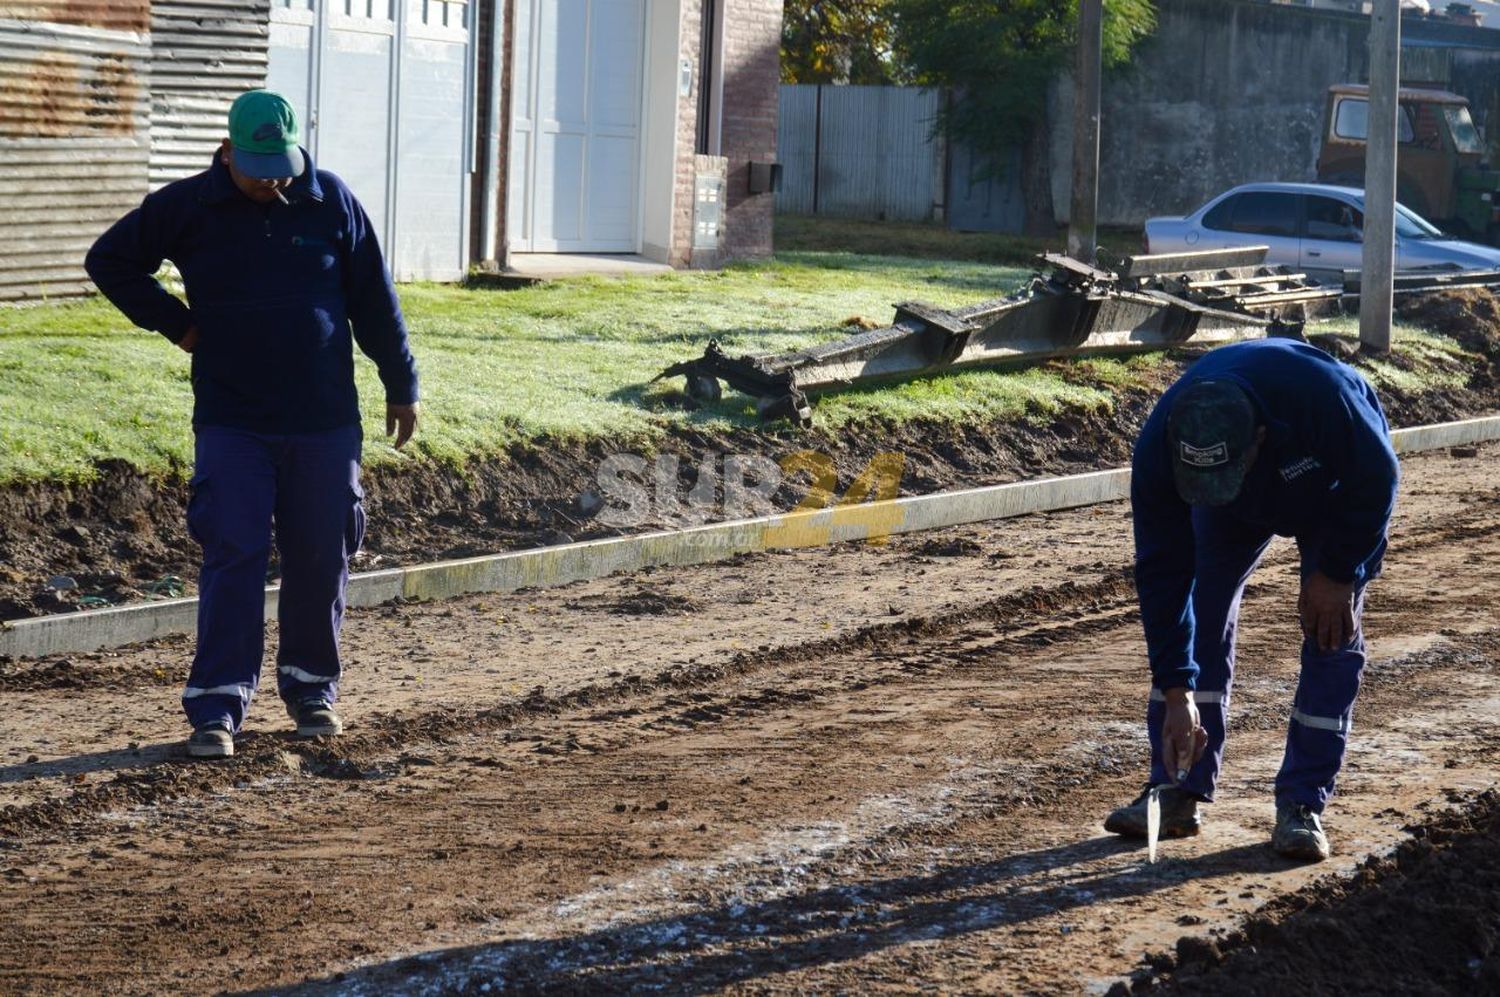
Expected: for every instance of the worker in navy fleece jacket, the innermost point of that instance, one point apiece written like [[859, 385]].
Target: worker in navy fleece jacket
[[1257, 439], [280, 264]]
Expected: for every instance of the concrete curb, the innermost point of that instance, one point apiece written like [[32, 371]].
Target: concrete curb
[[548, 566]]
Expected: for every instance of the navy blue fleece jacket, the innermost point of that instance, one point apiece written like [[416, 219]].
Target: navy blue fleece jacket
[[273, 289], [1326, 473]]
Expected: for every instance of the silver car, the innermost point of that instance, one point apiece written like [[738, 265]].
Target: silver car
[[1313, 228]]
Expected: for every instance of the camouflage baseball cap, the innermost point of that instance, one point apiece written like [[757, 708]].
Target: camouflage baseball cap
[[263, 136], [1211, 430]]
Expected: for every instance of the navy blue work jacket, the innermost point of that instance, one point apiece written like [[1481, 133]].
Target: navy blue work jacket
[[274, 291], [1326, 473]]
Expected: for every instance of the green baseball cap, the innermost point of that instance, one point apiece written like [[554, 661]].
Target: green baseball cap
[[263, 136]]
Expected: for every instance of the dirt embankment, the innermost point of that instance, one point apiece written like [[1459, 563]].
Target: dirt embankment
[[122, 537], [1425, 919]]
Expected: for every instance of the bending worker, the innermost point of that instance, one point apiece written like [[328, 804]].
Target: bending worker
[[279, 261], [1264, 438]]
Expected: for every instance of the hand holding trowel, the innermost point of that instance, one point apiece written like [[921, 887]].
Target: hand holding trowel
[[1183, 741]]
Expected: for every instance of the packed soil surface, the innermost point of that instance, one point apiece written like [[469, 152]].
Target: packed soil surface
[[865, 768], [122, 537]]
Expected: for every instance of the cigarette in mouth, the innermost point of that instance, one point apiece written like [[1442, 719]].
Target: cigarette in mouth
[[280, 196]]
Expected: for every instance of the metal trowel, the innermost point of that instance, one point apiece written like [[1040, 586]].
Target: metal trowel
[[1153, 822]]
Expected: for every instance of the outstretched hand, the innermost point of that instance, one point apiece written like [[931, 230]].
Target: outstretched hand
[[401, 420]]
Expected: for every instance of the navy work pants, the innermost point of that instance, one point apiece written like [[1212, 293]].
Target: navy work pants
[[307, 485], [1227, 551]]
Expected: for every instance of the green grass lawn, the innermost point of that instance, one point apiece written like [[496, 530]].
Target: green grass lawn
[[571, 359], [79, 384]]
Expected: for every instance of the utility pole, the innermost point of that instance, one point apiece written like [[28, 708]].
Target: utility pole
[[1379, 262], [1082, 234]]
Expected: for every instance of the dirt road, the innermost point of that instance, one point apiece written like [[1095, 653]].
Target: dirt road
[[872, 768]]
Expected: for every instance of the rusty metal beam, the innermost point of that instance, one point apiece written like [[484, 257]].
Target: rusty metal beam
[[1074, 309]]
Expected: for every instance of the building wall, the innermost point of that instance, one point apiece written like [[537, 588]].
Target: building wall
[[1229, 91], [752, 77], [690, 48]]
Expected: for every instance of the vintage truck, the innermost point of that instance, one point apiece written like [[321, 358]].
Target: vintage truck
[[1441, 163]]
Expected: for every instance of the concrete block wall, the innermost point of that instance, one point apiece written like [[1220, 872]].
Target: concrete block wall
[[1231, 91]]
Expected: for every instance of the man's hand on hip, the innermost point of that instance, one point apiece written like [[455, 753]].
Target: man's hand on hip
[[1183, 738], [1327, 611], [189, 341], [401, 420]]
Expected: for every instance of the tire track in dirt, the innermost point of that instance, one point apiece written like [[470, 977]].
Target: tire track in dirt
[[369, 754]]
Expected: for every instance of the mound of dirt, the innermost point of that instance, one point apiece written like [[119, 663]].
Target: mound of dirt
[[1469, 315], [1424, 920], [122, 537]]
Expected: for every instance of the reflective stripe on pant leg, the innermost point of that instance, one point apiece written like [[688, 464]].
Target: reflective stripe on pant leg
[[228, 703], [292, 671], [1200, 696]]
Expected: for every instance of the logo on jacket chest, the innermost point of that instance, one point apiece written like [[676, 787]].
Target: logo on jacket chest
[[1297, 468]]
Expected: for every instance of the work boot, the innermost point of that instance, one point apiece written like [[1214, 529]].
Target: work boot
[[1179, 815], [211, 740], [1299, 833], [315, 718]]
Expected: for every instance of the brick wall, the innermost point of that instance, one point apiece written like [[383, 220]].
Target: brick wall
[[752, 72], [690, 35]]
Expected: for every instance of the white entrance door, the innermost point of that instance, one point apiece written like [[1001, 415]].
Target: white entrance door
[[575, 148]]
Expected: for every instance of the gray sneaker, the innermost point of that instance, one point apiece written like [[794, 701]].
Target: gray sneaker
[[1179, 815], [314, 718], [1299, 833], [212, 740]]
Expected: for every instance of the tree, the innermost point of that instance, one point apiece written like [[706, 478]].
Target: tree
[[836, 41], [999, 57]]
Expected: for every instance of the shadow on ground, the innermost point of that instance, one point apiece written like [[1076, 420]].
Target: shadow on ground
[[705, 950]]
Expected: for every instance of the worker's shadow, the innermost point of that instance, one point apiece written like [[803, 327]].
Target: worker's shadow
[[143, 756], [91, 762], [718, 947]]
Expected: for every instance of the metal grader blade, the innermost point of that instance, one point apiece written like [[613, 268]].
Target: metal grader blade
[[1071, 309]]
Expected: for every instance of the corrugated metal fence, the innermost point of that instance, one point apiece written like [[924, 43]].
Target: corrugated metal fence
[[98, 102], [74, 121], [871, 152], [862, 152], [204, 53]]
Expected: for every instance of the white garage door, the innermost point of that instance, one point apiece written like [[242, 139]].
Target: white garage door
[[575, 149], [382, 82]]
